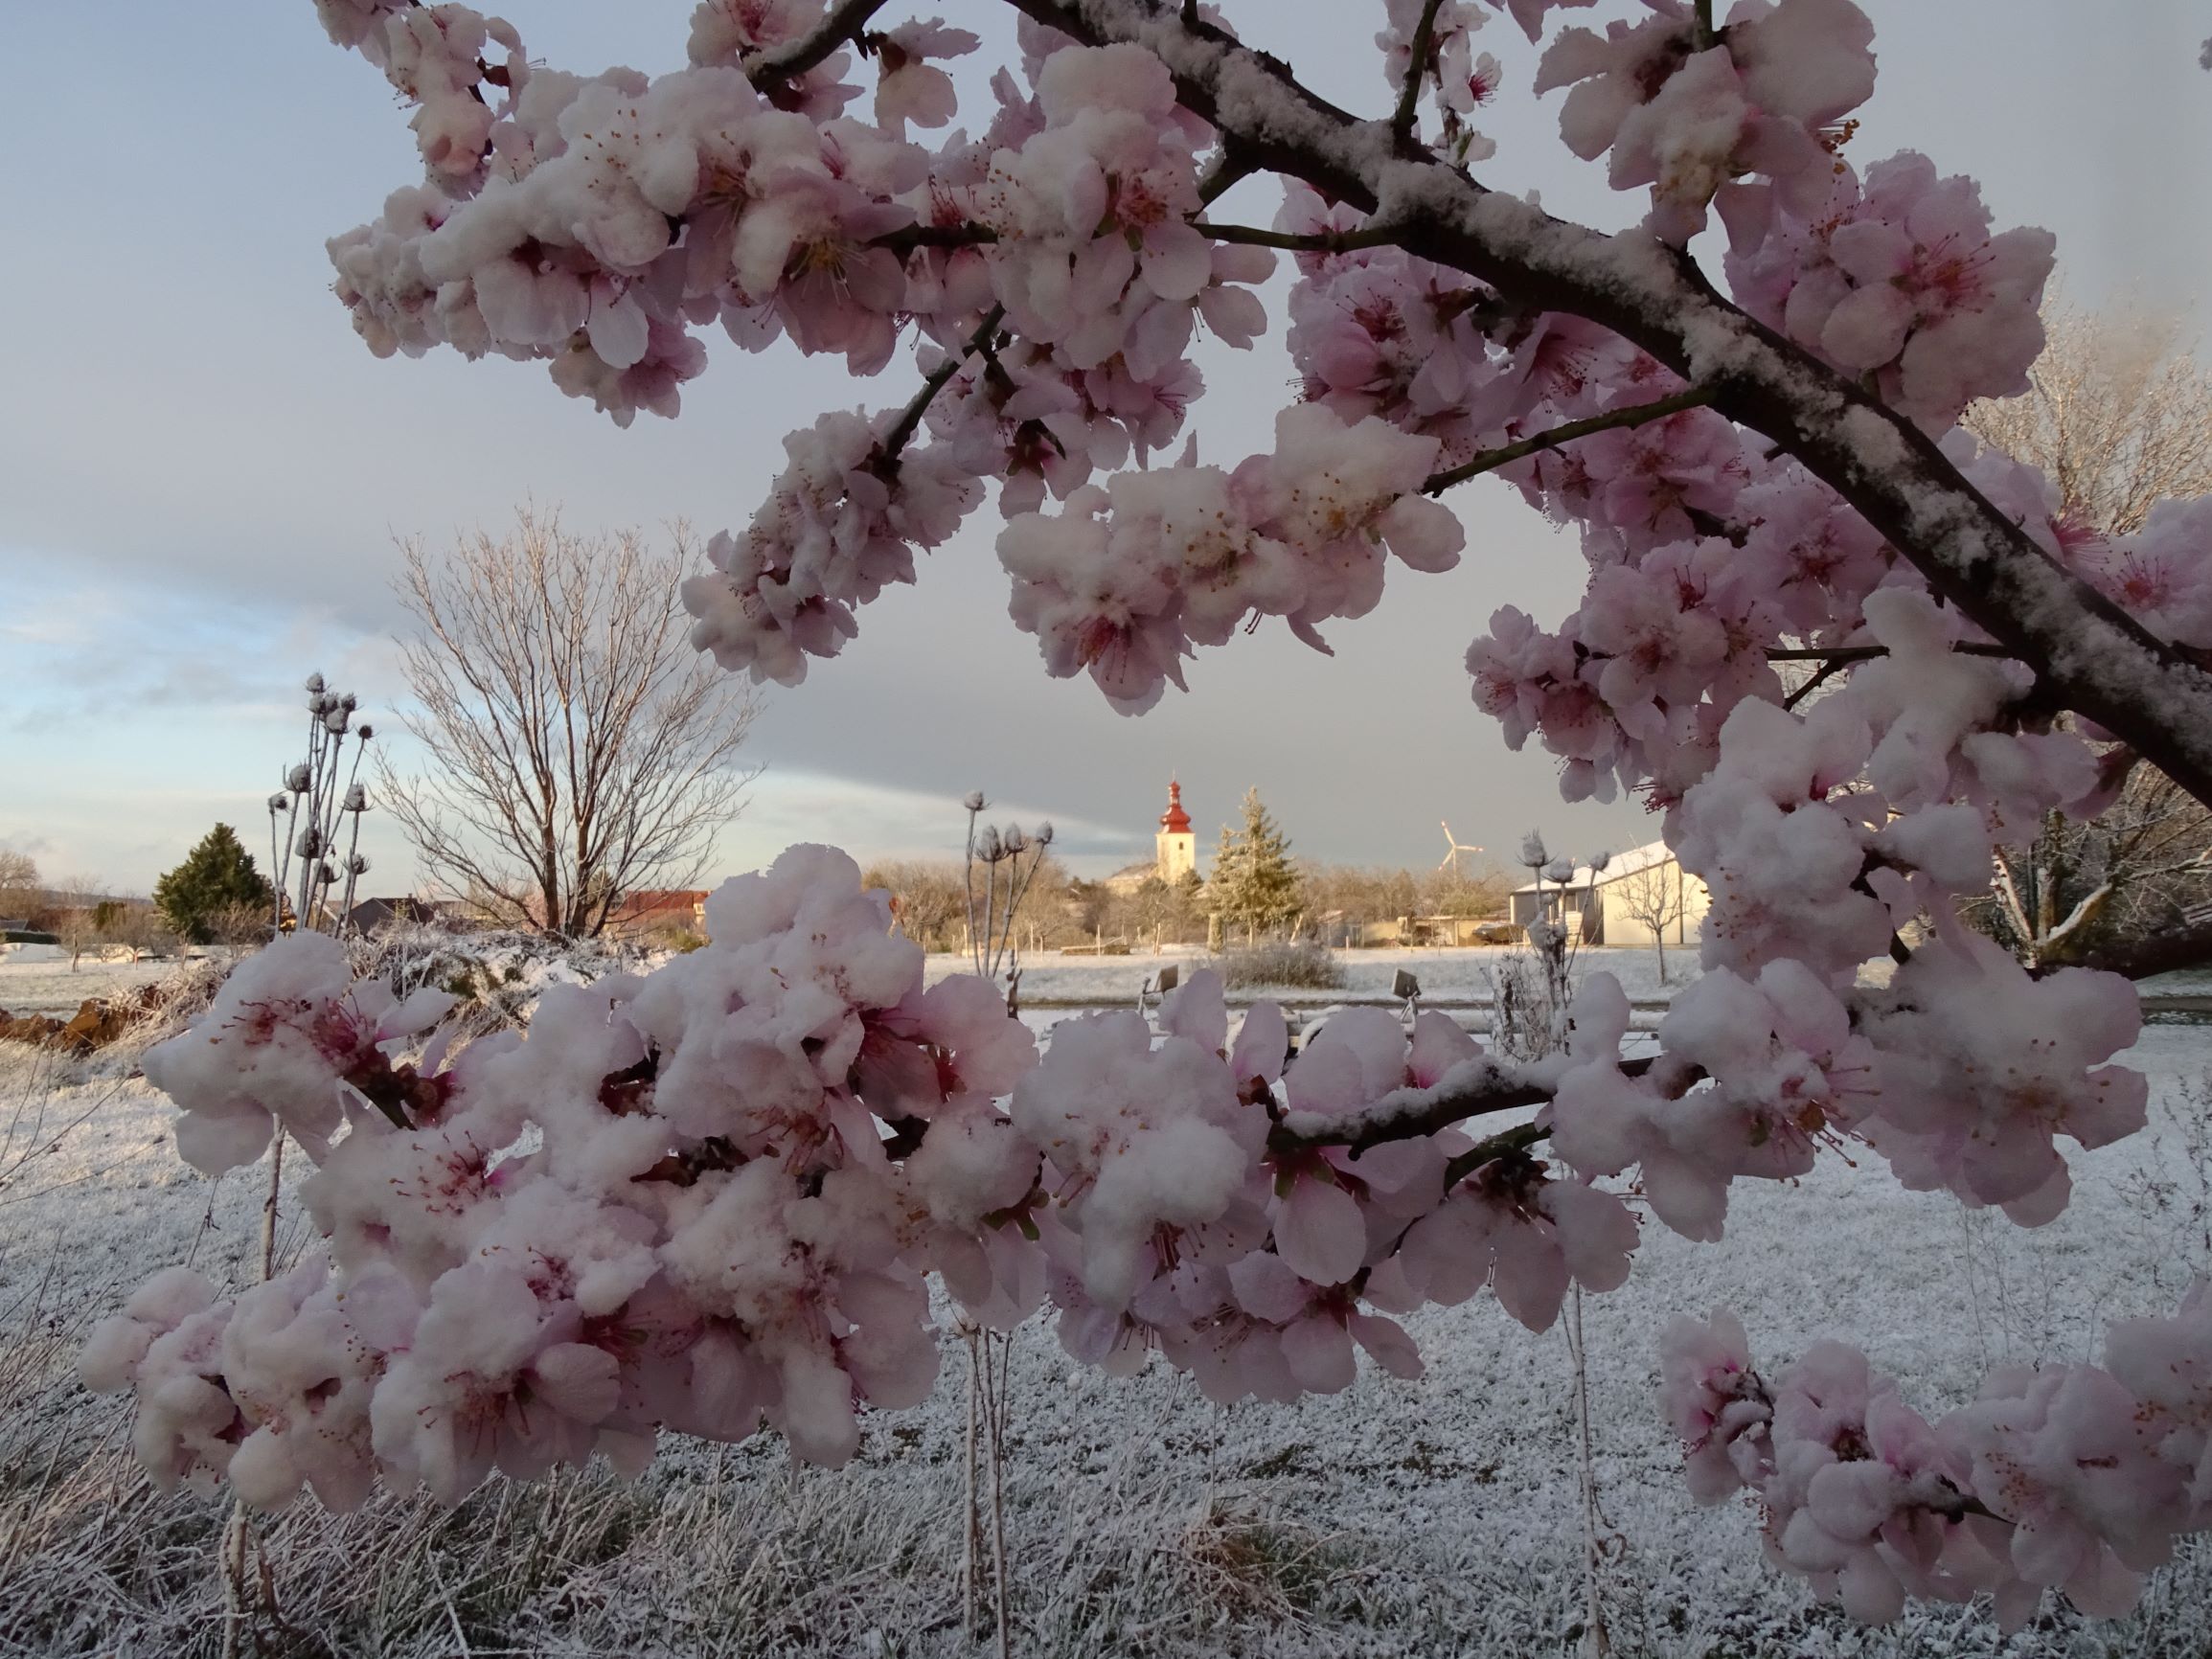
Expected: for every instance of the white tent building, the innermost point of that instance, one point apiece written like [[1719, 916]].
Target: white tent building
[[1641, 896]]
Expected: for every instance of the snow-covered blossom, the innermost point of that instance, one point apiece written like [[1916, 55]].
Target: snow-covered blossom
[[1899, 277], [1130, 575], [842, 524]]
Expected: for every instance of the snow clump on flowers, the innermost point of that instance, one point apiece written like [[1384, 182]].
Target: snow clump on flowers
[[840, 525], [1130, 575]]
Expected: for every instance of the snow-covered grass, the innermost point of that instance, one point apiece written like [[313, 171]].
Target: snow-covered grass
[[1433, 1517], [29, 986], [1457, 973]]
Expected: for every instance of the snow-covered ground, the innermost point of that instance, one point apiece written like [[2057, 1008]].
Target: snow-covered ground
[[1458, 973], [30, 984], [1431, 1518]]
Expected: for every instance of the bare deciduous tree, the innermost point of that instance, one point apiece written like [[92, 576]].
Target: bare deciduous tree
[[578, 749], [1652, 898], [80, 932], [2118, 414], [926, 898], [2141, 868], [18, 883]]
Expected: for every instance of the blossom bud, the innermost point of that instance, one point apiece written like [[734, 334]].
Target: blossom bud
[[1042, 835], [366, 731], [1532, 850], [976, 803], [327, 875], [316, 685], [1562, 870], [1016, 843], [1598, 862], [279, 802], [358, 864], [356, 798], [310, 844], [299, 778], [987, 845], [335, 720]]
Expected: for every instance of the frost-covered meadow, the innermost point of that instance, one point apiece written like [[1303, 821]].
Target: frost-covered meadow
[[1432, 1517]]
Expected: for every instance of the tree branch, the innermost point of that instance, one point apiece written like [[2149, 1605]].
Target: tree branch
[[1416, 70], [2187, 946], [908, 238], [1408, 1113], [910, 420], [787, 62], [2095, 657], [1842, 654], [1297, 241], [1629, 415]]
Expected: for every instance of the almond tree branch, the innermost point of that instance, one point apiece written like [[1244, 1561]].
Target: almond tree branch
[[910, 420], [2094, 656], [1416, 70], [1489, 1088], [1629, 415], [1866, 653], [786, 62], [1297, 241]]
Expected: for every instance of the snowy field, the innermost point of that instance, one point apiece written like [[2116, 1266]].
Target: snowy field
[[31, 986], [1436, 1517], [1456, 974]]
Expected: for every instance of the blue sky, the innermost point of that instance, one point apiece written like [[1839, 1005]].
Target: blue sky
[[202, 471]]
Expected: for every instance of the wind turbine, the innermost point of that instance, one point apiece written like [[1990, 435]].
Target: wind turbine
[[1450, 860]]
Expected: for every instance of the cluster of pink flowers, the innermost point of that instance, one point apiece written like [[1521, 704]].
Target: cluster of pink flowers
[[1685, 117], [1131, 573], [843, 522], [2068, 1477], [707, 1197]]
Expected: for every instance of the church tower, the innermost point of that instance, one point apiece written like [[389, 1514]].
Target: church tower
[[1178, 848]]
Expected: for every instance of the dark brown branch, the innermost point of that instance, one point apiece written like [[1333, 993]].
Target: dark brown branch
[[2186, 946], [1496, 1092], [842, 26], [1297, 241], [1518, 1139], [908, 238], [1423, 44], [1842, 654], [910, 420], [1629, 415]]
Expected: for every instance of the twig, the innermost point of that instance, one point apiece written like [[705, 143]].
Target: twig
[[1301, 242], [1417, 70], [1501, 1091], [1630, 415], [910, 420], [995, 1420], [789, 61], [1842, 654], [1596, 1643], [971, 1527]]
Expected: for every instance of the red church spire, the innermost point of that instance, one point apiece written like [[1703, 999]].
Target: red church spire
[[1175, 820]]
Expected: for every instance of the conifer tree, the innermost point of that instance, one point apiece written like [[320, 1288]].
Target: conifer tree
[[1254, 883], [216, 873]]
